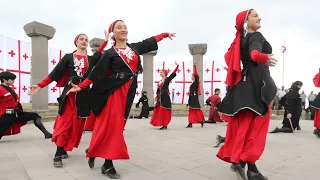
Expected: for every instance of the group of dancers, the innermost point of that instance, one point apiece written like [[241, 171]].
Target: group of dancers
[[113, 75]]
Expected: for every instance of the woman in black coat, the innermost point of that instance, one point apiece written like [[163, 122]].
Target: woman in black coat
[[162, 113]]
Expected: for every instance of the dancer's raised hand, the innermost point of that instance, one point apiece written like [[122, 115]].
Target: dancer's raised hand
[[171, 35], [176, 63], [106, 35]]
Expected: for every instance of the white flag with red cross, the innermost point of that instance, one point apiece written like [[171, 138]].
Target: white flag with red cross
[[158, 66], [212, 77], [182, 82], [2, 63], [18, 61], [139, 88], [24, 70], [55, 55]]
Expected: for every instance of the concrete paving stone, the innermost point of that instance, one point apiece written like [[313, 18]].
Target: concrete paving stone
[[173, 154]]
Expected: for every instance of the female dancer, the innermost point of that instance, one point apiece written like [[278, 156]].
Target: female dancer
[[73, 108], [195, 113], [113, 96], [162, 113], [247, 103], [316, 104], [12, 116]]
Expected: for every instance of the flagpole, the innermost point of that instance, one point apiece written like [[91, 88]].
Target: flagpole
[[283, 63], [282, 69]]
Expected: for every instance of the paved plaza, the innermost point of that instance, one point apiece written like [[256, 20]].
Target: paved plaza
[[175, 154]]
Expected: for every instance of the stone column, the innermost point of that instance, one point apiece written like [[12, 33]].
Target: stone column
[[197, 51], [40, 34], [95, 44], [148, 60]]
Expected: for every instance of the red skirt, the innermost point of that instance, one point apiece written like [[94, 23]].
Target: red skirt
[[317, 119], [195, 116], [107, 139], [214, 115], [90, 122], [160, 116], [68, 128], [245, 138], [225, 118], [14, 129]]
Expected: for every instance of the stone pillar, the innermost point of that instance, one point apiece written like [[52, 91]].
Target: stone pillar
[[40, 34], [197, 51], [95, 44], [148, 82]]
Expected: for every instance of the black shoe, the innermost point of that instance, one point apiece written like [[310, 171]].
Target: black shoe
[[57, 162], [233, 168], [202, 123], [276, 130], [241, 175], [91, 163], [48, 136], [219, 140], [105, 171], [298, 128], [65, 156], [255, 176], [163, 128], [189, 125], [317, 133]]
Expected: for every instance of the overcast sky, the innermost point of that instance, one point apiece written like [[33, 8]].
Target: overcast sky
[[200, 21]]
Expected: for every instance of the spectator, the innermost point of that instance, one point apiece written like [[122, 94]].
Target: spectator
[[280, 94], [303, 99]]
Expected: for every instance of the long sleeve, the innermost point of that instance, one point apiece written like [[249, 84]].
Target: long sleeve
[[161, 36], [86, 83], [255, 48], [140, 101], [196, 78], [45, 82], [97, 55], [208, 102], [195, 71], [145, 46], [102, 46], [291, 105], [316, 80], [173, 74], [218, 100], [60, 70], [176, 69]]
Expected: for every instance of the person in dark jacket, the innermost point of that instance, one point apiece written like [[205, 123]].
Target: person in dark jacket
[[145, 105], [292, 103]]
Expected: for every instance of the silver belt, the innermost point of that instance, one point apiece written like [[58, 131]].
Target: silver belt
[[10, 111]]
